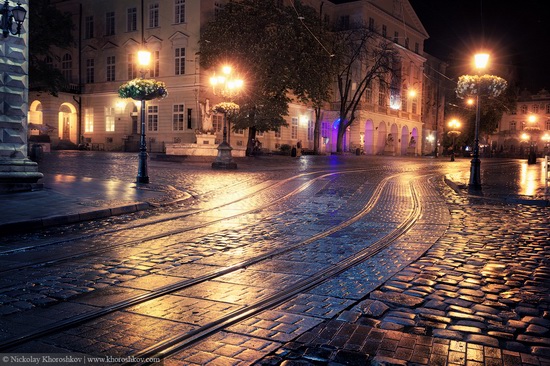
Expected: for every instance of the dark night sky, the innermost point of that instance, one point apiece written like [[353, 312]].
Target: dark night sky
[[517, 35]]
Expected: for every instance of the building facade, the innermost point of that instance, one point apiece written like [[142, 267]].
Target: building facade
[[528, 126], [110, 33]]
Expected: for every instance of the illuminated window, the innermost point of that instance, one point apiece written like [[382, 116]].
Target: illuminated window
[[88, 120], [535, 108], [109, 119], [404, 97], [325, 129], [67, 67], [310, 130], [294, 128], [414, 105], [513, 126], [153, 118], [382, 95], [524, 109], [132, 66], [154, 71]]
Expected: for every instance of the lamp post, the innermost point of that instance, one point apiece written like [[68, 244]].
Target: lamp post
[[8, 16], [481, 61], [227, 86], [454, 124], [142, 176]]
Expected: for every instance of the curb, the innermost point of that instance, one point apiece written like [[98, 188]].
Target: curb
[[34, 224]]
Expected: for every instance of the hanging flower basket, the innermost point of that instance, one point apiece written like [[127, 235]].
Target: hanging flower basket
[[143, 89], [226, 107], [486, 85]]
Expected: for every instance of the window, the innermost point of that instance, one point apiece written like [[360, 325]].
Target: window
[[547, 125], [88, 120], [414, 105], [153, 118], [524, 109], [67, 67], [239, 131], [513, 125], [178, 117], [325, 130], [535, 108], [154, 15], [179, 11], [131, 20], [416, 47], [407, 43], [344, 22], [368, 94], [404, 95], [396, 37], [310, 130], [382, 95], [109, 119], [371, 24], [110, 68], [294, 128], [217, 122], [132, 66], [384, 31], [179, 61], [278, 133], [548, 109], [110, 23], [90, 71], [89, 27], [154, 71]]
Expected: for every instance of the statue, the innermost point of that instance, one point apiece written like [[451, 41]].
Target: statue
[[389, 140], [206, 117]]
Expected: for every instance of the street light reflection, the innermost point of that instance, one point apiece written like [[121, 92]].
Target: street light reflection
[[529, 180]]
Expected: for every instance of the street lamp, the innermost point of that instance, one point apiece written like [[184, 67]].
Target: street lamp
[[228, 87], [8, 16], [481, 61], [454, 125], [142, 177]]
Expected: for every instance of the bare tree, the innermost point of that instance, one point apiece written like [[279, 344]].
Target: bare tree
[[362, 57]]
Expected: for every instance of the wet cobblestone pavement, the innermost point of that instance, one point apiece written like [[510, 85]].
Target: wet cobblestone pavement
[[467, 283]]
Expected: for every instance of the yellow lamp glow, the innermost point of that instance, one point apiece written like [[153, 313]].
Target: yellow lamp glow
[[144, 57], [481, 60]]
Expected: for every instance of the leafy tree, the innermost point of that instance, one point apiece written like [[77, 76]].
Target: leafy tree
[[361, 58], [267, 43], [48, 29]]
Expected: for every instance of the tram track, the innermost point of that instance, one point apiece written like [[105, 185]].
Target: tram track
[[107, 248], [180, 342], [74, 321]]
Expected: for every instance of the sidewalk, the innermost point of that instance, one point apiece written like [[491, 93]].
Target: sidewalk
[[69, 199]]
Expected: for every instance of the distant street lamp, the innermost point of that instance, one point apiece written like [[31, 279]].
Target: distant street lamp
[[228, 87], [8, 16], [454, 125]]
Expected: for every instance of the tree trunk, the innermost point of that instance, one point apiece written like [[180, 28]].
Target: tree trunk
[[251, 140], [317, 132]]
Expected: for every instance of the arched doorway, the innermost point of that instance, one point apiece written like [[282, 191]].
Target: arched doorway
[[67, 123], [405, 141], [369, 137]]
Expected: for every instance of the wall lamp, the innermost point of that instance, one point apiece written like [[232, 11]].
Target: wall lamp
[[16, 14]]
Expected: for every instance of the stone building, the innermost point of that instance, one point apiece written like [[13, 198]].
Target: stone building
[[110, 33], [528, 126]]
